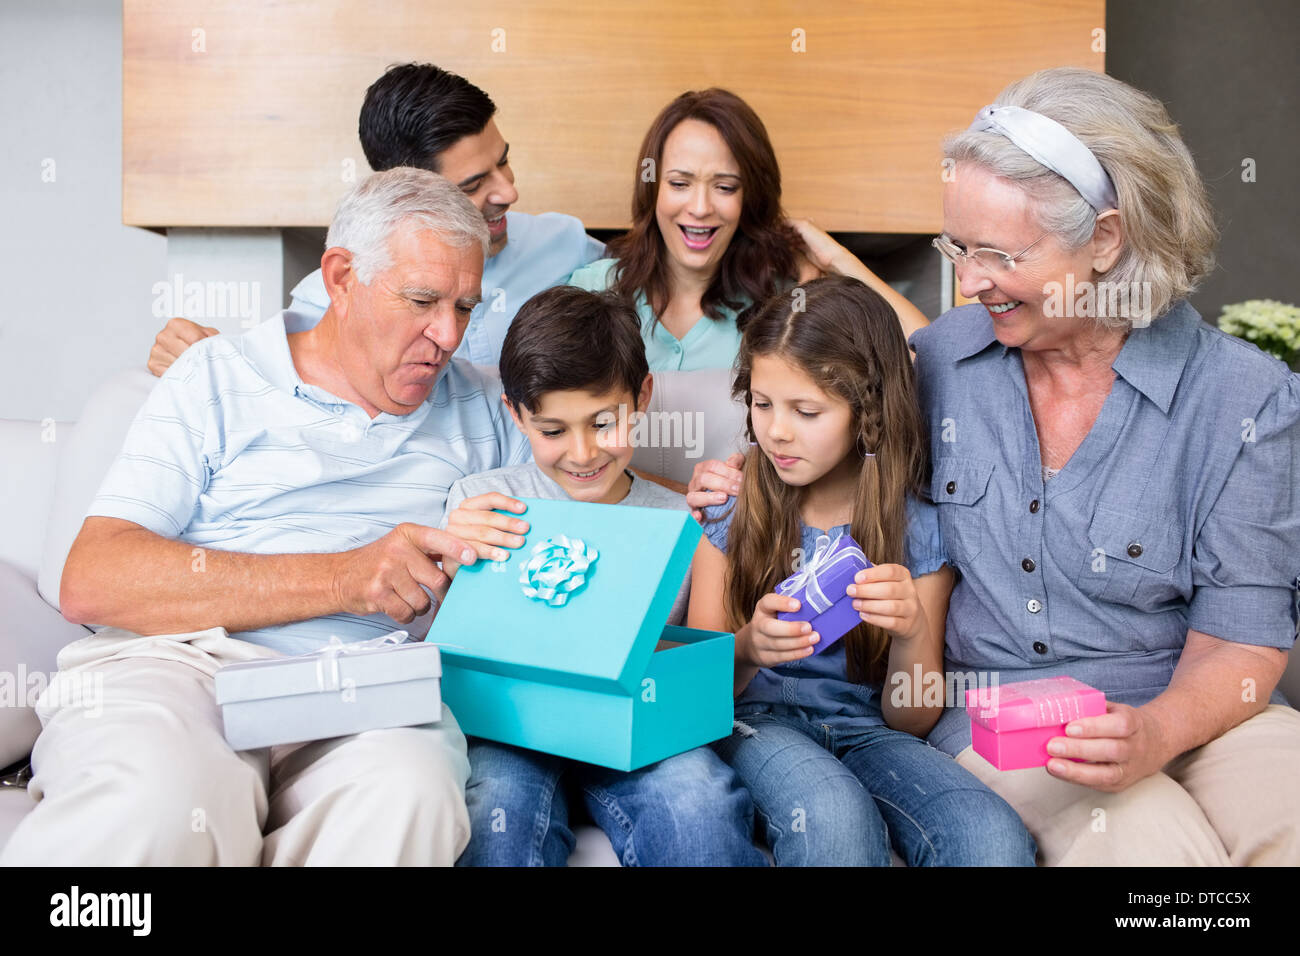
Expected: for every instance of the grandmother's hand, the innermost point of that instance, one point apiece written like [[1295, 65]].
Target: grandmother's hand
[[819, 248], [712, 482], [1121, 746]]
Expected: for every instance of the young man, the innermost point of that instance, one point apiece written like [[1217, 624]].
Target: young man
[[573, 369], [419, 115]]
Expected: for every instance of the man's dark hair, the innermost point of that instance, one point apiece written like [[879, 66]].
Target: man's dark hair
[[568, 339], [415, 111]]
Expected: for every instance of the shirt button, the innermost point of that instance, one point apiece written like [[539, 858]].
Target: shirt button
[[1033, 507], [1027, 564], [951, 487], [1135, 549], [1034, 606], [1040, 647]]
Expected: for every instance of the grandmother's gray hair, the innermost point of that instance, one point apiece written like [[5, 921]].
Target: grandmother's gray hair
[[1168, 224], [373, 210]]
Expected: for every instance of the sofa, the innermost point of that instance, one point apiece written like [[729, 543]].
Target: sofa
[[54, 468]]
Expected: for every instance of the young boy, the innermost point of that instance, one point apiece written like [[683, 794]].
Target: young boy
[[573, 369]]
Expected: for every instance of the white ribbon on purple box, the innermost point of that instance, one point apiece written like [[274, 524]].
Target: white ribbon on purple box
[[824, 558]]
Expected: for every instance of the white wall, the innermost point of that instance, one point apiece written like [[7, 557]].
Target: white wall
[[77, 284]]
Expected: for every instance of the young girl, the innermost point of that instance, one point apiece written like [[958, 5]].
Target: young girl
[[832, 746]]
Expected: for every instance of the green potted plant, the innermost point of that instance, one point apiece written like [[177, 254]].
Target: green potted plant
[[1273, 326]]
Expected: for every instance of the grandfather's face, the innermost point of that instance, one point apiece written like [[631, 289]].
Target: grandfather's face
[[983, 210], [397, 333]]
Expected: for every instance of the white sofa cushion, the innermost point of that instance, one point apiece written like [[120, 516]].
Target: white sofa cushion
[[30, 453], [84, 460], [31, 634], [693, 413]]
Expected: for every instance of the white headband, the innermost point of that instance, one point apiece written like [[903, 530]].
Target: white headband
[[1055, 147]]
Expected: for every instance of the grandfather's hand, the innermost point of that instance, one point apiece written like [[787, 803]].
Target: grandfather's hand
[[385, 576], [477, 522], [1120, 746], [712, 482], [176, 336]]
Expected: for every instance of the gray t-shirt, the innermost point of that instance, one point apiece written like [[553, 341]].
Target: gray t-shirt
[[528, 481]]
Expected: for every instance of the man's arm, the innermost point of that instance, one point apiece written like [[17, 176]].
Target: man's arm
[[123, 575]]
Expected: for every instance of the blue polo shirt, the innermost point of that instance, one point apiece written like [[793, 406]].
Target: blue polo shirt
[[1180, 510], [819, 684], [710, 343], [233, 451], [542, 252]]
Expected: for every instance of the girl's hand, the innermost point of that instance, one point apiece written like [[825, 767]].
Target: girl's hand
[[885, 595], [819, 248], [712, 482], [772, 641], [476, 523]]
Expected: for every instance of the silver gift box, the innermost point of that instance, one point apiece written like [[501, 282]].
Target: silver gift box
[[341, 689]]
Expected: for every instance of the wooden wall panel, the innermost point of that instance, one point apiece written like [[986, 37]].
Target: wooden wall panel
[[258, 127]]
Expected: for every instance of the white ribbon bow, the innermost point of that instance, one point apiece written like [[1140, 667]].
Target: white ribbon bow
[[328, 656], [824, 558], [557, 568]]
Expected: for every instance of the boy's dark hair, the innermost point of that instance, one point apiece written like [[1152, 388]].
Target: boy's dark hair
[[568, 339], [415, 111]]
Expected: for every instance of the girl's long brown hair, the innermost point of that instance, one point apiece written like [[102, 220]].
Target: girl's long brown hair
[[847, 339], [761, 256]]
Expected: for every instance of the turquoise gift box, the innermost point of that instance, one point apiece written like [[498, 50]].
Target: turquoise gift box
[[564, 648]]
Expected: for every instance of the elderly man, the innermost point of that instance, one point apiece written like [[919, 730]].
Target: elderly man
[[277, 489]]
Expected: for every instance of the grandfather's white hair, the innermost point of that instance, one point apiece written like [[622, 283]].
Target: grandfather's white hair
[[1168, 223], [381, 204]]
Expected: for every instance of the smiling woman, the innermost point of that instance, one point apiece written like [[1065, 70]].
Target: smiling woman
[[708, 236]]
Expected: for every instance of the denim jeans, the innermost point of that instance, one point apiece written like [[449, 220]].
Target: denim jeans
[[841, 792], [688, 810]]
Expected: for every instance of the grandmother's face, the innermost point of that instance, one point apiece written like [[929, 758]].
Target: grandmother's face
[[983, 210]]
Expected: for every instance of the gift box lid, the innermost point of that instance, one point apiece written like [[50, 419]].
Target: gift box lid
[[822, 582], [582, 603], [1048, 702], [332, 668]]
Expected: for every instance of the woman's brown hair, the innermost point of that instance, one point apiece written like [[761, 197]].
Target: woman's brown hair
[[847, 339], [761, 256]]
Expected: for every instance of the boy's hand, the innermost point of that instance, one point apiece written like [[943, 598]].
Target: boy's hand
[[772, 641], [476, 522], [712, 482], [885, 595]]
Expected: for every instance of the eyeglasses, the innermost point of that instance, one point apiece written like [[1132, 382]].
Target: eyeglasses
[[993, 260]]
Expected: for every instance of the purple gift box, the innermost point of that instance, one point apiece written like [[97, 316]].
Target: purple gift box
[[819, 587]]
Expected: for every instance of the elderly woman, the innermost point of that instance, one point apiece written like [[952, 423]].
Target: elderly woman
[[1117, 494]]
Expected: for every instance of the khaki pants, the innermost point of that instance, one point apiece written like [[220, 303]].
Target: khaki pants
[[132, 769], [1232, 801]]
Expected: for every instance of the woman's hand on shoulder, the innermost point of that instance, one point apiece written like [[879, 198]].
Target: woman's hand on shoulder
[[770, 641], [173, 339], [712, 482], [819, 249], [885, 595]]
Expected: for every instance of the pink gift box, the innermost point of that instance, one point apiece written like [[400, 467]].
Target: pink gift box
[[1011, 724]]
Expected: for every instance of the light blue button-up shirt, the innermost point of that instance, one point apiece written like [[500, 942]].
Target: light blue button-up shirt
[[233, 451], [710, 343], [819, 684], [1180, 509], [542, 252]]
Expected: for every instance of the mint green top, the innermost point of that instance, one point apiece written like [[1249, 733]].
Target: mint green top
[[710, 343]]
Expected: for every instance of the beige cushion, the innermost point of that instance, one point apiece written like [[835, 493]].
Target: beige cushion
[[692, 419]]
